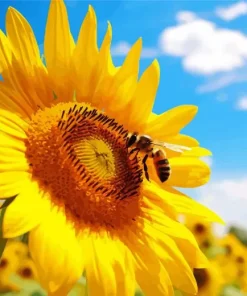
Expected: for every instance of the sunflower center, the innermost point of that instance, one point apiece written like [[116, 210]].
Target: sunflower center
[[3, 263], [240, 259], [201, 276], [228, 249], [199, 228], [26, 272], [206, 244], [78, 155]]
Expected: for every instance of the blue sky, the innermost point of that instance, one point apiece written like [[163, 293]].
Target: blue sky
[[202, 50]]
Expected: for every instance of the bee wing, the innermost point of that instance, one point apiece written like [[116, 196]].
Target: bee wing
[[174, 147]]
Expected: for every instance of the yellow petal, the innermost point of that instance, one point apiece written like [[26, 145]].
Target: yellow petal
[[58, 45], [152, 199], [12, 155], [105, 51], [11, 189], [172, 121], [186, 205], [8, 155], [130, 65], [105, 60], [152, 116], [171, 257], [27, 210], [11, 183], [58, 48], [150, 274], [104, 71], [5, 52], [20, 79], [188, 172], [106, 266], [10, 128], [85, 56], [184, 239], [22, 38], [126, 284], [12, 118], [143, 98], [122, 86], [180, 139], [12, 124], [7, 141], [7, 166], [26, 61], [87, 41], [154, 285], [56, 252], [12, 101]]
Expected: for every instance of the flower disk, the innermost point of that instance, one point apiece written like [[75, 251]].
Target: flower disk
[[79, 156]]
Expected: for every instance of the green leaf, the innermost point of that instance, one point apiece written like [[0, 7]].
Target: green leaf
[[7, 202]]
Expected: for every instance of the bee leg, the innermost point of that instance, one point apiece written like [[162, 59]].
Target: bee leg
[[145, 167], [134, 150], [126, 142]]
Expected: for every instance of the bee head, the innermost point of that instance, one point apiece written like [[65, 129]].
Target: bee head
[[144, 142]]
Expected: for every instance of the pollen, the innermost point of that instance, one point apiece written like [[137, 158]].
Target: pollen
[[78, 155]]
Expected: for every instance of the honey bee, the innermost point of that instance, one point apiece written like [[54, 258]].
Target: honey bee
[[146, 145]]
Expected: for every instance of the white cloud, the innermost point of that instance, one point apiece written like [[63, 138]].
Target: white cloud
[[150, 52], [228, 198], [242, 104], [123, 47], [233, 11], [223, 80], [185, 16], [208, 160], [205, 48]]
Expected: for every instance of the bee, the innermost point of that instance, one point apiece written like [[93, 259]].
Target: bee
[[146, 145]]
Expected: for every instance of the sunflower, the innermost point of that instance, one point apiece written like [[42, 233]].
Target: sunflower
[[17, 248], [233, 261], [79, 193], [209, 281], [9, 264], [202, 230]]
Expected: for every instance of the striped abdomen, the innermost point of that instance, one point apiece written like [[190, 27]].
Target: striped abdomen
[[161, 165]]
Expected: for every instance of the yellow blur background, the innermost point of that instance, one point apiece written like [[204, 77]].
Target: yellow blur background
[[226, 275]]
